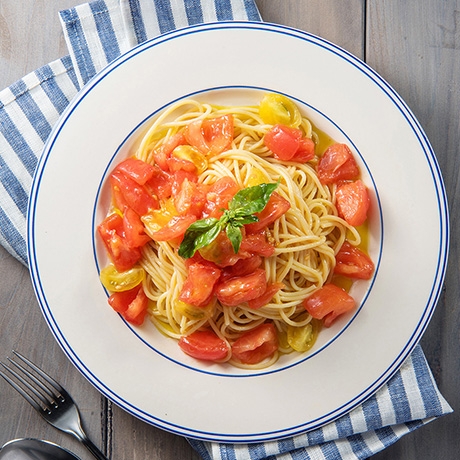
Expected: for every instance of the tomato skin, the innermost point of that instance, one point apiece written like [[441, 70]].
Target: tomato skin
[[136, 169], [275, 109], [352, 200], [240, 289], [256, 244], [275, 208], [353, 263], [305, 152], [162, 153], [175, 228], [160, 184], [199, 285], [122, 255], [283, 141], [132, 305], [219, 195], [134, 229], [265, 298], [328, 303], [337, 164], [210, 136], [204, 345], [134, 196], [191, 198], [256, 345]]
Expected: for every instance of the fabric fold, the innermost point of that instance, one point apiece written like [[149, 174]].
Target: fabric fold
[[96, 33]]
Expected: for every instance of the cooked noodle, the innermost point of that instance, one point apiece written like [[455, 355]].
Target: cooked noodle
[[306, 237]]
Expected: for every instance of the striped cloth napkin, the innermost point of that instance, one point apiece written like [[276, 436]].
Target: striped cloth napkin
[[96, 33]]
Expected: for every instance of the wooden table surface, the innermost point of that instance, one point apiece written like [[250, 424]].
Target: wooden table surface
[[415, 46]]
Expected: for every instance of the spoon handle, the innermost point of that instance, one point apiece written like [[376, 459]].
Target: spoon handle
[[93, 449]]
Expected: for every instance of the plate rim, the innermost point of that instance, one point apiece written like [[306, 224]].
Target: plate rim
[[431, 302]]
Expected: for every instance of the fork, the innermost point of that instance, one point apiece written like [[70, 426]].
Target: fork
[[48, 397]]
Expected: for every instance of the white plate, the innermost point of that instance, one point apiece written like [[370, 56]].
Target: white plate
[[144, 372]]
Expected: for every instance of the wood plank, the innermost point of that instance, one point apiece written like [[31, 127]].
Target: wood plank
[[415, 46], [339, 22]]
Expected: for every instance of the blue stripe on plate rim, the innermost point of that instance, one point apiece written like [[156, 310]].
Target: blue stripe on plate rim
[[431, 301]]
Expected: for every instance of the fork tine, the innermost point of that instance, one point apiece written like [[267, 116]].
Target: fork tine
[[19, 389], [43, 394], [49, 379]]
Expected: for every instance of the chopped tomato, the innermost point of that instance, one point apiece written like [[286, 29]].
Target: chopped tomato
[[160, 184], [306, 151], [220, 251], [328, 303], [175, 228], [199, 285], [265, 298], [256, 244], [192, 155], [134, 229], [275, 108], [352, 200], [134, 196], [132, 304], [337, 164], [112, 233], [242, 267], [205, 345], [353, 263], [275, 208], [211, 136], [162, 153], [191, 198], [178, 164], [219, 195], [178, 178], [136, 169], [256, 345], [240, 289], [283, 141]]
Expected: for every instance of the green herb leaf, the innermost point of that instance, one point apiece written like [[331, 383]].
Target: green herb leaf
[[235, 236], [252, 199], [241, 211], [198, 235]]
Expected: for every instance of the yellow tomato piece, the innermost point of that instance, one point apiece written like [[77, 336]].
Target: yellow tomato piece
[[192, 312], [156, 219], [116, 281], [256, 177], [278, 109], [303, 338], [189, 153]]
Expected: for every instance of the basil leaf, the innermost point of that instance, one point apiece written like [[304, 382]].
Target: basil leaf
[[252, 199], [235, 236], [198, 235]]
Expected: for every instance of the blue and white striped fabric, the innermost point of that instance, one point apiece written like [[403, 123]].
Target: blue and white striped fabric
[[96, 33]]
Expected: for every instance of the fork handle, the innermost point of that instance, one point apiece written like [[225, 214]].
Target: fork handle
[[93, 449]]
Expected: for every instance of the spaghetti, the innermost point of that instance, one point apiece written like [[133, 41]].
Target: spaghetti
[[306, 238]]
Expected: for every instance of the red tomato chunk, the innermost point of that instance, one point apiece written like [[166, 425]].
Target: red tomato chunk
[[198, 288], [120, 251], [352, 200], [288, 144], [337, 164], [132, 304], [256, 345], [353, 263], [240, 289], [205, 345], [328, 303]]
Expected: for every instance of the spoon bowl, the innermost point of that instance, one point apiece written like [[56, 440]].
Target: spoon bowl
[[34, 449]]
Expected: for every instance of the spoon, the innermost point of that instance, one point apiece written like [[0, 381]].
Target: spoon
[[34, 449]]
